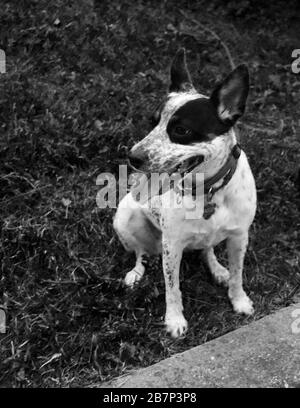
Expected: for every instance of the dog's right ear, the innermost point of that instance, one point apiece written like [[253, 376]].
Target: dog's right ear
[[180, 76], [229, 97]]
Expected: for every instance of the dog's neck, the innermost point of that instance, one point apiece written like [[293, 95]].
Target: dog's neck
[[217, 156]]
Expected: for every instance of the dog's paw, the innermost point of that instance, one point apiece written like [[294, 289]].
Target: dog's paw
[[243, 305], [221, 276], [133, 277], [176, 325]]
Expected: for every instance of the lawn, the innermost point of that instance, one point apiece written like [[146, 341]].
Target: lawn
[[81, 81]]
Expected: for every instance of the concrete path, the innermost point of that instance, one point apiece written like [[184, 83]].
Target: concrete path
[[265, 353]]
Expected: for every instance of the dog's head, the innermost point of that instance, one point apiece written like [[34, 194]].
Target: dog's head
[[190, 128]]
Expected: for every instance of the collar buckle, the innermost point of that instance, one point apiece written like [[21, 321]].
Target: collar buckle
[[210, 194]]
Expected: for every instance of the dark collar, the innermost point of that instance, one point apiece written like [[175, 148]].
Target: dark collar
[[226, 172]]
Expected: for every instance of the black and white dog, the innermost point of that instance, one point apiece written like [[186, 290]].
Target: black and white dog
[[193, 128]]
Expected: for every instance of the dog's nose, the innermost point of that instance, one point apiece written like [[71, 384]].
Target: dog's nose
[[135, 161]]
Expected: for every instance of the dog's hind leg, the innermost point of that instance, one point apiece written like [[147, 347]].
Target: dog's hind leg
[[236, 247], [220, 274], [138, 235]]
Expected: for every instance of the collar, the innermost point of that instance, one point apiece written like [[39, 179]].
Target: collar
[[226, 172]]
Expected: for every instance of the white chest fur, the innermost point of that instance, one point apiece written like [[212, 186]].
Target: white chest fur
[[235, 210]]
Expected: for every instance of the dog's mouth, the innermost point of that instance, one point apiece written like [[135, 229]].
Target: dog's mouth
[[190, 164], [185, 166]]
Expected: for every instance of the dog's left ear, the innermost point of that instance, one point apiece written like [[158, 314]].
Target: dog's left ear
[[230, 96], [180, 76]]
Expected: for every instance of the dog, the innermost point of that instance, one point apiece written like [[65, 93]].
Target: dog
[[192, 128]]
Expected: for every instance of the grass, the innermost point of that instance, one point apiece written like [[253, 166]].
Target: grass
[[71, 63]]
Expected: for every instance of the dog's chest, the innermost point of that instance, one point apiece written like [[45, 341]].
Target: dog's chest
[[235, 209]]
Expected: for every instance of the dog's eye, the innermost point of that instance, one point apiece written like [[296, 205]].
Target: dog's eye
[[182, 131], [180, 134]]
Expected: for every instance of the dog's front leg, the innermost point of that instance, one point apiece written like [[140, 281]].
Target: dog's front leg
[[236, 247], [172, 253]]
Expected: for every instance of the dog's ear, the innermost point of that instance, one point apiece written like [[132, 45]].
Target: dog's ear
[[180, 76], [230, 96]]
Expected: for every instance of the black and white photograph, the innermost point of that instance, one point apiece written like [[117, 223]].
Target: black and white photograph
[[149, 197]]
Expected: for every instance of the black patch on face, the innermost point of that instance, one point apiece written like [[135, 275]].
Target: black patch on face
[[196, 121]]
